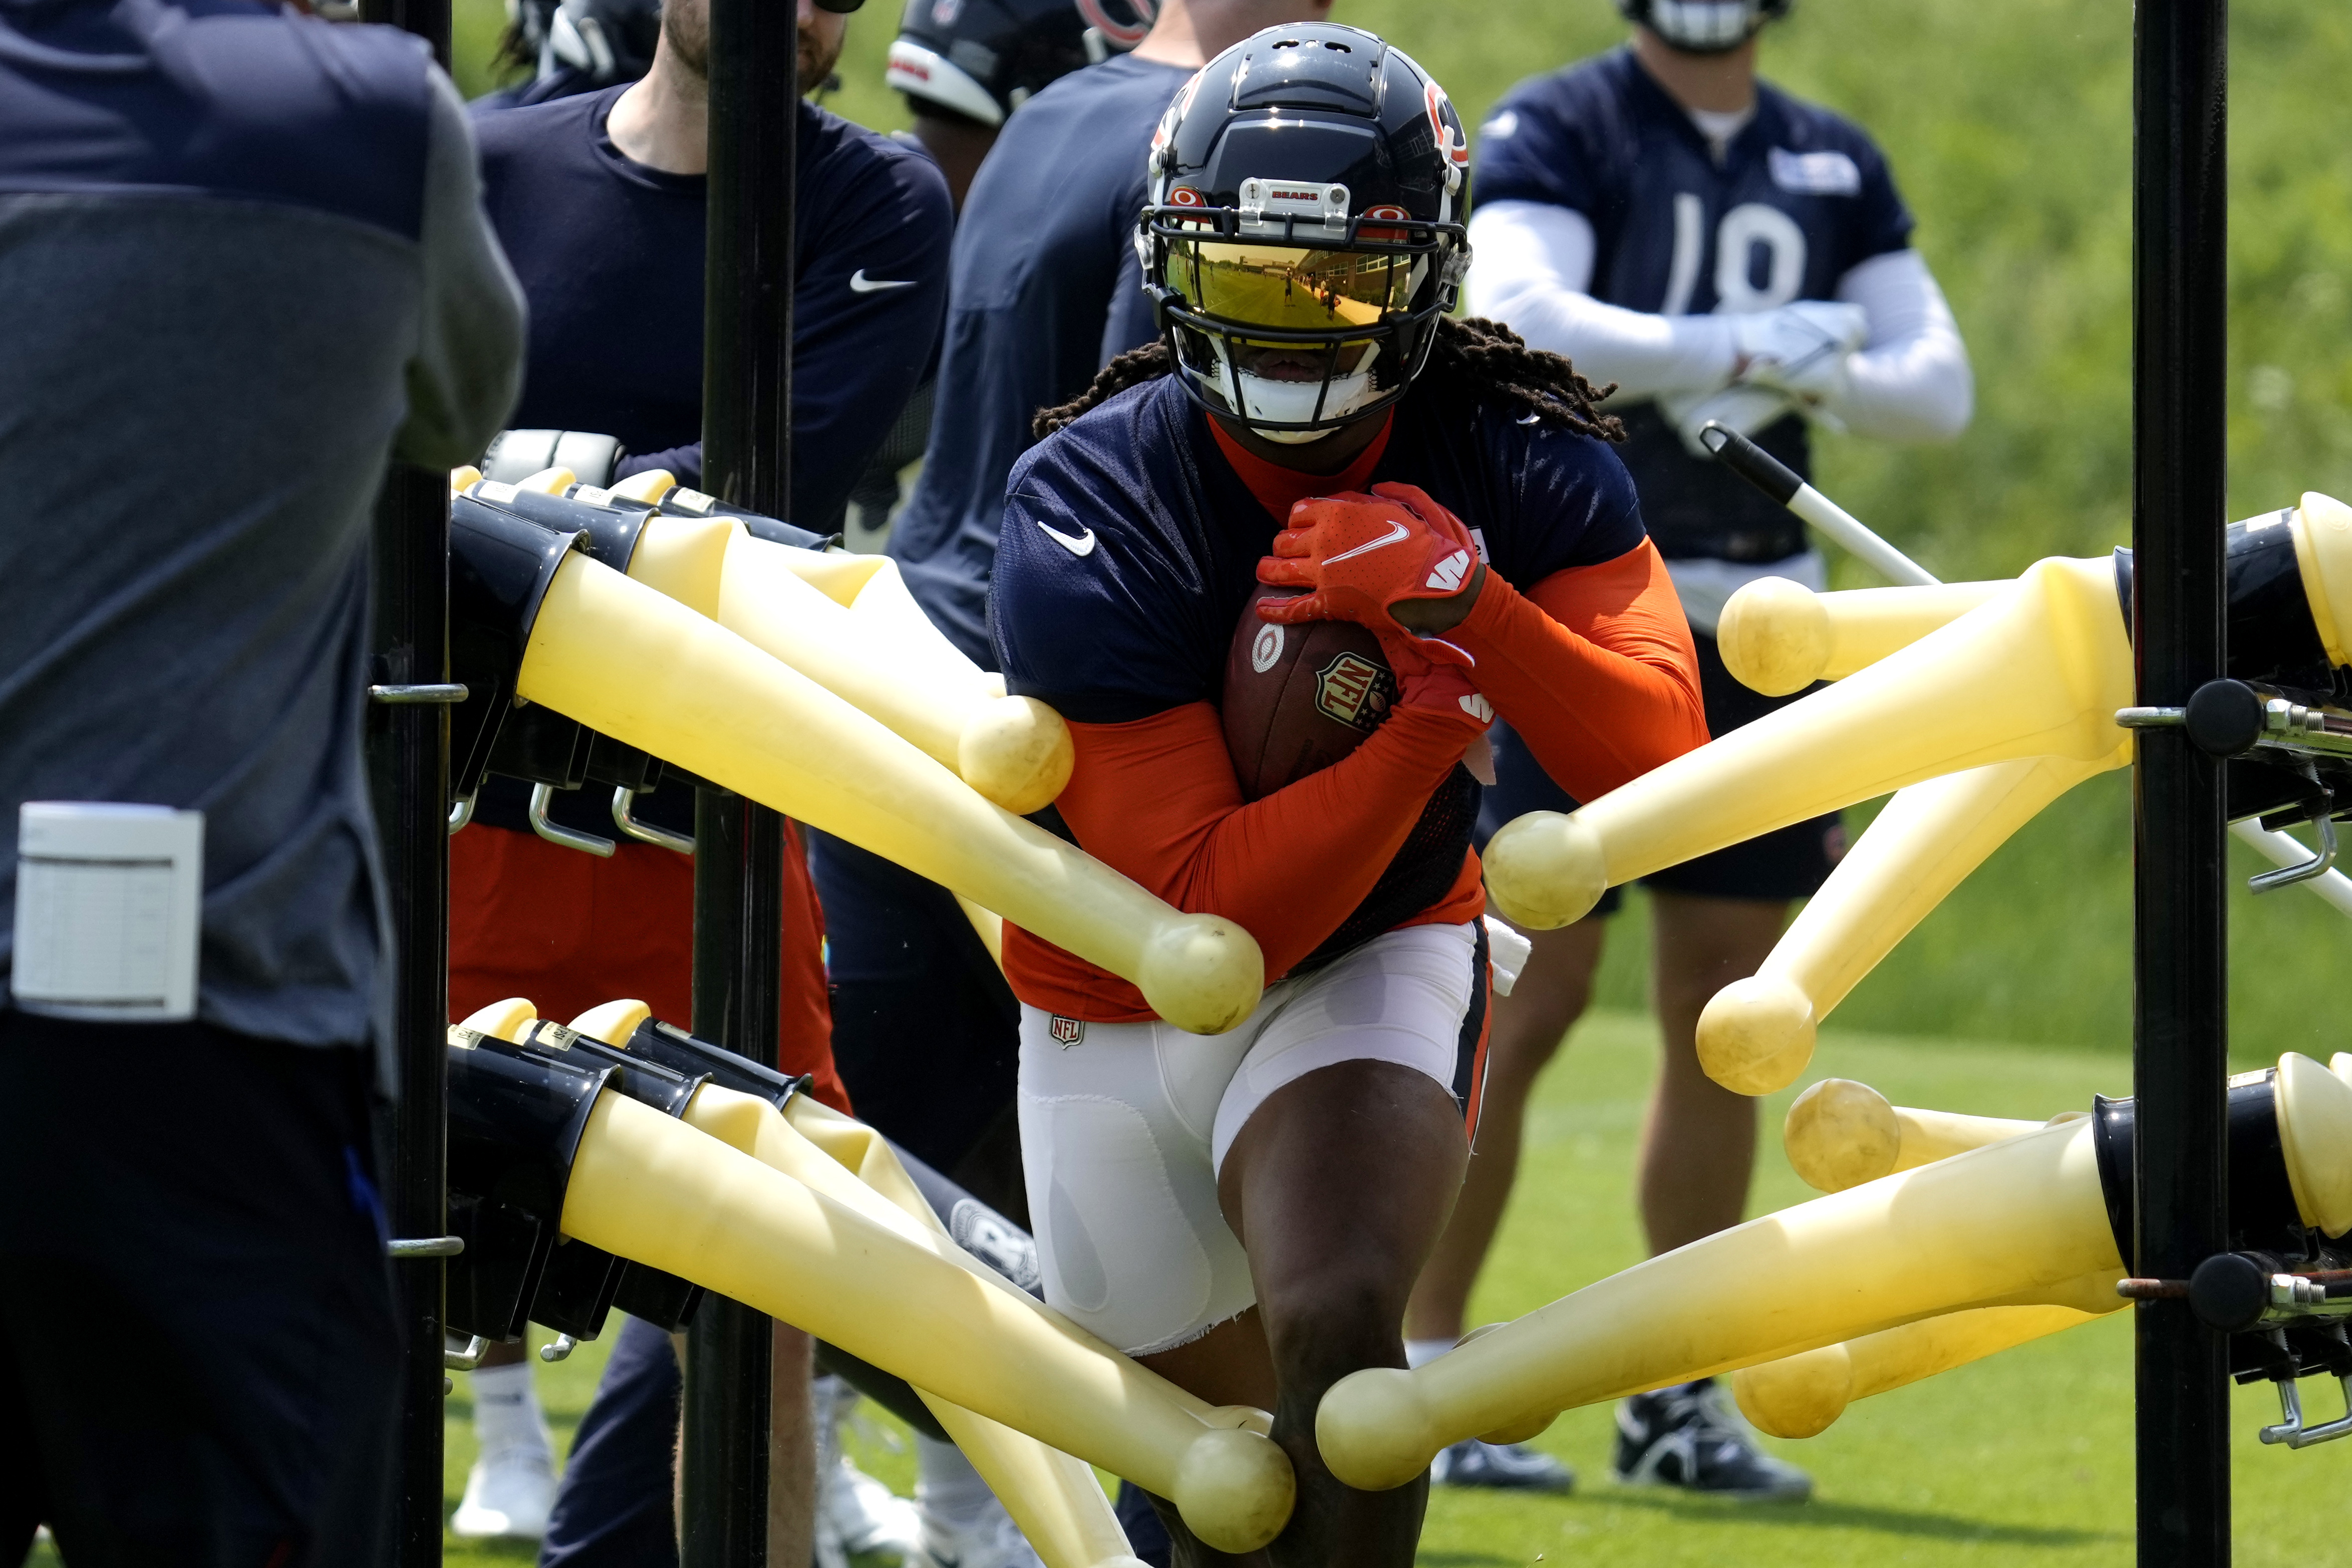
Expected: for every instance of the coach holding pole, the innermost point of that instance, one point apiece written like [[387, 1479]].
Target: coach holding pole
[[243, 263]]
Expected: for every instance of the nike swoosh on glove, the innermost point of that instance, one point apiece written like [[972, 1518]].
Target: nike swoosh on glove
[[1359, 556]]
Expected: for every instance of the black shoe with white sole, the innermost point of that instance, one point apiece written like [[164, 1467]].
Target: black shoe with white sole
[[1501, 1467], [1687, 1436]]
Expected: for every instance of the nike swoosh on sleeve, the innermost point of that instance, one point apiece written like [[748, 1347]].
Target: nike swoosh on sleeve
[[1397, 531], [861, 284], [1084, 545]]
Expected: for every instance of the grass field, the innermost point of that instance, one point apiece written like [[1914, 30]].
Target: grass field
[[2022, 1459]]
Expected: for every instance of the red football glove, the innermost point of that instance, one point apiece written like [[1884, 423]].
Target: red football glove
[[1359, 556], [1434, 673]]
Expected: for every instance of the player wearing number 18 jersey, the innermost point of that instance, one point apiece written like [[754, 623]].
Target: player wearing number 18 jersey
[[1246, 1212], [1720, 250]]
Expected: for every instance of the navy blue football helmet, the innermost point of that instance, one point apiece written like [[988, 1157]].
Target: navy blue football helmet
[[1305, 227]]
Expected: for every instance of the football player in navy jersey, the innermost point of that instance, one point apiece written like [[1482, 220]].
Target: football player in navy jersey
[[1247, 1212], [1720, 250], [1045, 287]]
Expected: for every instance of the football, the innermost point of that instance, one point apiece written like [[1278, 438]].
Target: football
[[1298, 698]]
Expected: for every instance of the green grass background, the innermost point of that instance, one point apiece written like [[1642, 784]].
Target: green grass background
[[2009, 125]]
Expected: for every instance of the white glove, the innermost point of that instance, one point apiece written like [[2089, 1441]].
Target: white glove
[[1799, 349], [1792, 358], [1746, 409]]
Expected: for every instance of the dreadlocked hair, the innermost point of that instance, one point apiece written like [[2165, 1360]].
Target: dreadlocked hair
[[1484, 361], [1131, 369], [1473, 357]]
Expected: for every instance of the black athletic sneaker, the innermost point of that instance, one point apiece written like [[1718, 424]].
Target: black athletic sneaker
[[1688, 1436], [1502, 1467]]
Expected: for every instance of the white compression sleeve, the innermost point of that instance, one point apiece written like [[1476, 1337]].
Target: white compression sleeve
[[1531, 263], [1910, 381]]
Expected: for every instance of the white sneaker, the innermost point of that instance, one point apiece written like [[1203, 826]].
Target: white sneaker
[[508, 1494], [992, 1540], [860, 1515]]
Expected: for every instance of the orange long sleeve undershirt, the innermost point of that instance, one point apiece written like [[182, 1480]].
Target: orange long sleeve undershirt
[[1157, 799], [1593, 667]]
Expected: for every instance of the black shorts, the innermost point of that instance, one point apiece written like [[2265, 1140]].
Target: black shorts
[[926, 1034], [199, 1350], [1790, 862]]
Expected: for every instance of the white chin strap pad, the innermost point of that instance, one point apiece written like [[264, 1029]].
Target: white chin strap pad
[[1290, 403], [1705, 24]]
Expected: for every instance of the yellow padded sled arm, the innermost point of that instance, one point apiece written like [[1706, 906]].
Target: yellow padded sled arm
[[1840, 1134], [1800, 1395], [1015, 751], [660, 1192], [630, 662], [1054, 1498], [1778, 636], [2040, 670], [1755, 1036], [1994, 1225]]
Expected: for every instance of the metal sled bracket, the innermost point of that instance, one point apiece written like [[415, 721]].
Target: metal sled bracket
[[410, 697], [645, 832], [2292, 1429], [588, 843]]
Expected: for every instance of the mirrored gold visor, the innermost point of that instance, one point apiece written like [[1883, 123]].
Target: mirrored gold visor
[[1291, 287]]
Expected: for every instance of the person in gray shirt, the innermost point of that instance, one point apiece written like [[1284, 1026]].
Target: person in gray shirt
[[243, 265]]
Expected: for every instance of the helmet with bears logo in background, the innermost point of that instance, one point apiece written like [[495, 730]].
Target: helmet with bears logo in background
[[985, 58]]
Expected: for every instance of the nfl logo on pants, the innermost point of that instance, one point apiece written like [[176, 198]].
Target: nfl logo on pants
[[1066, 1033]]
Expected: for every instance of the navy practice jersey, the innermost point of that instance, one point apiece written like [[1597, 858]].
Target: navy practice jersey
[[1130, 553], [1802, 197], [611, 253], [1131, 546], [1046, 288]]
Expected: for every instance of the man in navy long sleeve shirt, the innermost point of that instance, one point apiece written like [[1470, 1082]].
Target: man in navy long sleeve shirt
[[604, 221], [600, 201]]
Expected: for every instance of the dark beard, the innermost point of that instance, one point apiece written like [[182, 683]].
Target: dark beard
[[687, 30], [814, 68]]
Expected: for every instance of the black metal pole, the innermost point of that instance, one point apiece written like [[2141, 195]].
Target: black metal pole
[[408, 748], [739, 854], [723, 1488], [408, 759], [2180, 1044]]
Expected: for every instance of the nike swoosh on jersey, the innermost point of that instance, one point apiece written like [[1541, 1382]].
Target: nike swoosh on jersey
[[1084, 545], [861, 284], [1397, 531]]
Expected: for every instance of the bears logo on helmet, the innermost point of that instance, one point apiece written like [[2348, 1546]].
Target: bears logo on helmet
[[1118, 32]]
